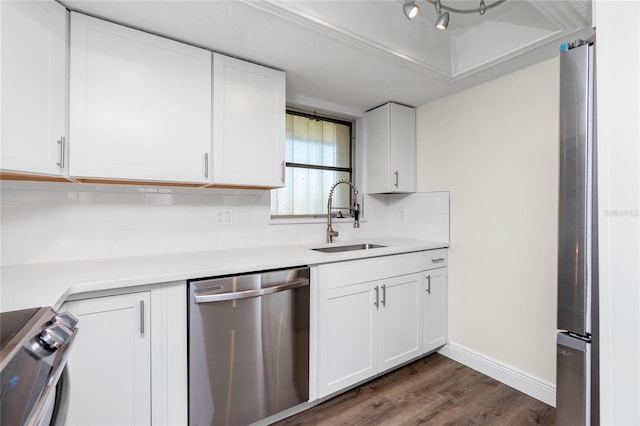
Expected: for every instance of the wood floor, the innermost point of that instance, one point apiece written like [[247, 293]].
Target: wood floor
[[434, 390]]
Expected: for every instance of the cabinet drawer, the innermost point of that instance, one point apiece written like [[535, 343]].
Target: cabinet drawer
[[434, 259], [358, 271]]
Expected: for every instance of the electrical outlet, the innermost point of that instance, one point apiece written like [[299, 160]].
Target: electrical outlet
[[228, 217], [402, 215], [224, 217]]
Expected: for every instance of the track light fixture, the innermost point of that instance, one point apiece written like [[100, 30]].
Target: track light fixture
[[411, 9], [483, 8], [443, 17]]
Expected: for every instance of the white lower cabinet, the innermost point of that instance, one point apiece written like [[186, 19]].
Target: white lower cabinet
[[368, 327], [347, 337], [435, 300], [399, 319], [110, 364], [128, 363]]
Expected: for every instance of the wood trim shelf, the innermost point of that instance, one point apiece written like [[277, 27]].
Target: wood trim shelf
[[45, 178], [30, 177]]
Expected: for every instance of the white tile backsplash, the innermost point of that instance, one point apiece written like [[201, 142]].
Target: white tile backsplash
[[103, 197], [158, 199], [19, 198], [48, 222], [426, 215]]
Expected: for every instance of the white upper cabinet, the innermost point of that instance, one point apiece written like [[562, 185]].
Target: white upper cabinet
[[140, 105], [249, 108], [33, 87], [390, 138]]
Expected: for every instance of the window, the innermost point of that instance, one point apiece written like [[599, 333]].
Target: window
[[318, 154]]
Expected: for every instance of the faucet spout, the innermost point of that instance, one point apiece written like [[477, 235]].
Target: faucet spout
[[356, 210]]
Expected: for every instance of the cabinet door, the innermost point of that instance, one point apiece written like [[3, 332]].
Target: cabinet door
[[33, 73], [140, 105], [391, 149], [377, 131], [248, 123], [347, 336], [434, 299], [400, 316], [110, 364], [403, 148]]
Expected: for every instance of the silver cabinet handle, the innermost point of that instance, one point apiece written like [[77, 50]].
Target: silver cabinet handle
[[429, 284], [438, 259], [396, 173], [377, 298], [283, 172], [142, 317], [384, 295], [206, 164], [61, 142], [201, 296]]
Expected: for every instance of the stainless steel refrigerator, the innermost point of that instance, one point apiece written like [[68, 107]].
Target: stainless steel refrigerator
[[577, 379]]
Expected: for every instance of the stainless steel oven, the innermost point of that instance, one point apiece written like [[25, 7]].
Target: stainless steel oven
[[34, 346], [248, 346]]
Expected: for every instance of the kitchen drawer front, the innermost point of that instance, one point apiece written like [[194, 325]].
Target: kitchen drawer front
[[358, 271], [435, 259]]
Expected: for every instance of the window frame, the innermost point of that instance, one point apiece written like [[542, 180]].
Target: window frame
[[352, 160]]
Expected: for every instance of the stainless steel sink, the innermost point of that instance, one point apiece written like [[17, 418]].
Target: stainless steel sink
[[350, 247]]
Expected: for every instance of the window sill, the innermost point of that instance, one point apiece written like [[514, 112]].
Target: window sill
[[306, 220]]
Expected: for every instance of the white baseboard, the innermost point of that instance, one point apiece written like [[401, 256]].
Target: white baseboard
[[510, 376]]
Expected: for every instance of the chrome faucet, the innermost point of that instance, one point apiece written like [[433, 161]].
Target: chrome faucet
[[356, 210]]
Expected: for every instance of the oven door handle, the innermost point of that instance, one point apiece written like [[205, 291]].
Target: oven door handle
[[204, 297], [61, 406]]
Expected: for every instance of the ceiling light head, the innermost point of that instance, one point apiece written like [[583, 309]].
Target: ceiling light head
[[410, 9], [443, 18], [443, 21], [483, 8]]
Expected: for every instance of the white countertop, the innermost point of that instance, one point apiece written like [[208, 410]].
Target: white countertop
[[50, 284]]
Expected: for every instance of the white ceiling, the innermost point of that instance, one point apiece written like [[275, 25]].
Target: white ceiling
[[348, 56]]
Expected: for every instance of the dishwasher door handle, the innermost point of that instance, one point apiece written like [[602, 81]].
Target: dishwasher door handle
[[221, 297]]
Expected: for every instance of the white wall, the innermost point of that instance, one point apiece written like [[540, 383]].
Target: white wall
[[49, 222], [494, 147], [618, 73]]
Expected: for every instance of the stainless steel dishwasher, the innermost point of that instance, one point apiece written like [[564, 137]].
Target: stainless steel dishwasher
[[248, 346]]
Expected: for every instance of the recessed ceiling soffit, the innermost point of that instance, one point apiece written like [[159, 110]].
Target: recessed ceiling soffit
[[472, 43]]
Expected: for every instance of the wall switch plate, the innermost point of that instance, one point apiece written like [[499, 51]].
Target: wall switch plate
[[224, 217]]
